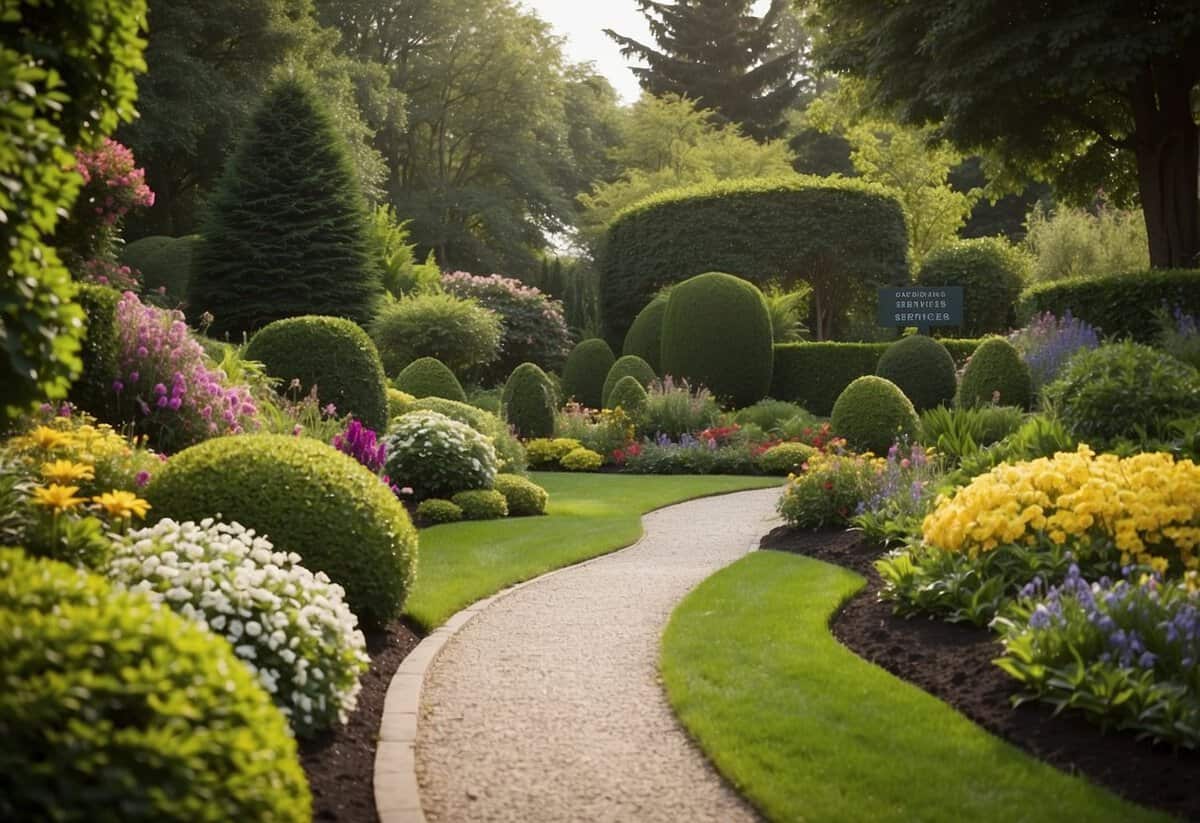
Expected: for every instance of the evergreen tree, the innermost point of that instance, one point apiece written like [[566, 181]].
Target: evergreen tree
[[287, 232], [716, 53]]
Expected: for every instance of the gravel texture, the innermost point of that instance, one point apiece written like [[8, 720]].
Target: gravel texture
[[548, 706]]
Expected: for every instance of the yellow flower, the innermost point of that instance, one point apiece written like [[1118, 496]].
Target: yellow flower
[[57, 498], [121, 504], [66, 471], [47, 438]]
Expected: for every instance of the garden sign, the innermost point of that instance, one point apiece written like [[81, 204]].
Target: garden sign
[[921, 306]]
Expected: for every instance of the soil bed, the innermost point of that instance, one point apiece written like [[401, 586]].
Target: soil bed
[[953, 662], [340, 764]]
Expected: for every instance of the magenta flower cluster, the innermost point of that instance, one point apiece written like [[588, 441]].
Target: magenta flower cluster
[[110, 273], [112, 183], [363, 445]]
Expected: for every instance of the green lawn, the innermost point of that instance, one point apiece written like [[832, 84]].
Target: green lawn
[[588, 515], [807, 730]]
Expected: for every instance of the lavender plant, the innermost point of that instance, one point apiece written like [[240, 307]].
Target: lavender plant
[[904, 492], [1048, 342]]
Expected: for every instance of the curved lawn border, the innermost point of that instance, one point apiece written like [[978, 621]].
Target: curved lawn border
[[807, 730]]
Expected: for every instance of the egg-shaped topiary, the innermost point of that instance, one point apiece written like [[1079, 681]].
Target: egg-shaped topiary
[[629, 365], [629, 395], [437, 456], [525, 498], [923, 369], [996, 374], [435, 511], [871, 413], [529, 401], [331, 353], [644, 338], [429, 377], [116, 709], [481, 504], [584, 372], [785, 458], [307, 498], [717, 333]]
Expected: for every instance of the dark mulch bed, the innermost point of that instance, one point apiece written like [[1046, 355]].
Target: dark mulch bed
[[953, 662], [340, 764]]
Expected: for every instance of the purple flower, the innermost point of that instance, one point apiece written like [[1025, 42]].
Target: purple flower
[[142, 478]]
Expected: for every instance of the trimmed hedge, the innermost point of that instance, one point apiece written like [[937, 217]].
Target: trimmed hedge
[[992, 273], [841, 235], [871, 413], [93, 390], [717, 333], [629, 365], [922, 368], [644, 338], [529, 401], [331, 353], [481, 504], [584, 373], [429, 377], [1120, 305], [164, 262], [996, 368]]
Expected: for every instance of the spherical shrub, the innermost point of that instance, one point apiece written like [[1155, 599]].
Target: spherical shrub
[[308, 498], [283, 621], [629, 395], [114, 708], [1120, 390], [871, 413], [399, 402], [717, 332], [429, 377], [992, 273], [93, 390], [996, 374], [509, 451], [438, 456], [629, 365], [331, 353], [786, 458], [164, 262], [581, 460], [923, 369], [544, 451], [770, 415], [586, 368], [459, 332], [481, 504], [435, 511], [529, 401], [644, 338], [524, 497]]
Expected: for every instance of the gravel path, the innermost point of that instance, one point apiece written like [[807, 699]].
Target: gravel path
[[547, 706]]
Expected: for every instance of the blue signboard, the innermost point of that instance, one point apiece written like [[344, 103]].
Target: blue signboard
[[921, 306]]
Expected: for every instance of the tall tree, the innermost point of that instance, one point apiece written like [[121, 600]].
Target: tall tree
[[1087, 94], [720, 55]]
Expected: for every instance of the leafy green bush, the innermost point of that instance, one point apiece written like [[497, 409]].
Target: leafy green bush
[[628, 365], [828, 493], [1123, 391], [922, 368], [1038, 436], [717, 333], [581, 460], [529, 401], [690, 456], [785, 458], [509, 451], [769, 414], [114, 708], [676, 409], [1073, 242], [545, 451], [524, 497], [438, 456], [329, 353], [992, 274], [872, 413], [401, 274], [93, 391], [996, 374], [164, 262], [629, 396], [399, 402], [459, 332], [960, 432], [435, 510], [308, 498], [429, 377], [481, 504], [644, 338], [586, 368]]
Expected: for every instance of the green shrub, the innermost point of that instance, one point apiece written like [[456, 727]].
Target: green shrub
[[1074, 242], [829, 492], [922, 368], [429, 377], [961, 432], [996, 374], [991, 273], [814, 374], [871, 413], [676, 409], [529, 401], [1123, 391], [629, 395], [629, 365], [1120, 305], [769, 414], [486, 399], [786, 458], [330, 353], [308, 498], [694, 458], [481, 504], [644, 338], [93, 391], [544, 451], [581, 460], [435, 510], [399, 402], [717, 332], [524, 497], [438, 456], [459, 332], [116, 709], [586, 368], [164, 262], [509, 451]]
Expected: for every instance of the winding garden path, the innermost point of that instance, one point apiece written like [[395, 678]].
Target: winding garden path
[[547, 704]]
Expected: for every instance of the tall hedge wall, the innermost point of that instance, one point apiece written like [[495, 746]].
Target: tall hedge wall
[[842, 236]]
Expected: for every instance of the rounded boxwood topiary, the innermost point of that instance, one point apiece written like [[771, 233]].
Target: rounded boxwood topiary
[[923, 369], [996, 374], [331, 353], [629, 395], [545, 452], [481, 504], [871, 413], [581, 460], [399, 402], [93, 390], [717, 332], [138, 714], [308, 498], [525, 498], [629, 365], [529, 401], [435, 511], [992, 273], [585, 370], [429, 377], [644, 338], [785, 458], [459, 332]]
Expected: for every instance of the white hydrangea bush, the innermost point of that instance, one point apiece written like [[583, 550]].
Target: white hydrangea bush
[[290, 626], [438, 456]]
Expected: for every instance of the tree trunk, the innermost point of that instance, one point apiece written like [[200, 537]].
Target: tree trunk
[[1167, 147]]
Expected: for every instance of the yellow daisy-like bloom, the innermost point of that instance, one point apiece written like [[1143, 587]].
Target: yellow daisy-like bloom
[[57, 498], [47, 438], [67, 471], [121, 504]]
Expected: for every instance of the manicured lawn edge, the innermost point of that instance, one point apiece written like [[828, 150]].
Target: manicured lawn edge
[[807, 730]]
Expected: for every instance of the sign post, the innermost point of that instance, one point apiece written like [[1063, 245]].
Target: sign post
[[921, 306]]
